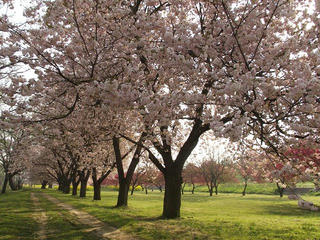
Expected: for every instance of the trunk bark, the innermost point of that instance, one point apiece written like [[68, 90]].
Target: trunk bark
[[66, 188], [84, 177], [75, 185], [245, 188], [216, 189], [5, 183], [182, 189], [12, 185], [97, 191], [83, 188], [172, 194], [210, 192], [123, 194]]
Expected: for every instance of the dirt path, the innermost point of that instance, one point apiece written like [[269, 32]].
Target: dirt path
[[40, 216], [101, 229]]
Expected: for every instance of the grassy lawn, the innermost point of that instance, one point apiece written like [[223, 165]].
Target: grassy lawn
[[16, 221], [226, 216]]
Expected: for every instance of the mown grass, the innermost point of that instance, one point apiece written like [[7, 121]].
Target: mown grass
[[16, 219], [226, 216], [62, 225]]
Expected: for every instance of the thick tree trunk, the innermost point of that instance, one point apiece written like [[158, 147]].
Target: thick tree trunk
[[244, 188], [96, 191], [123, 194], [84, 177], [83, 188], [65, 185], [5, 183], [172, 194], [12, 185]]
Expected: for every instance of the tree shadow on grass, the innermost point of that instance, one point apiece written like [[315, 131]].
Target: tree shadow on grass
[[288, 210]]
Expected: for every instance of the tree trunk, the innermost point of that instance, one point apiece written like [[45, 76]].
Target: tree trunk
[[75, 185], [172, 194], [65, 184], [12, 185], [84, 176], [96, 191], [182, 188], [5, 183], [245, 188], [211, 191], [132, 190], [83, 188], [123, 193], [50, 185], [280, 189], [193, 187], [146, 188], [43, 184], [216, 189]]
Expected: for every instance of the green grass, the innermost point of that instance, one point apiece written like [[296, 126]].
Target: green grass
[[226, 216], [16, 221]]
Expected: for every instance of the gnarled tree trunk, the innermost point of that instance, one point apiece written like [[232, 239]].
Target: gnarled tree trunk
[[172, 193]]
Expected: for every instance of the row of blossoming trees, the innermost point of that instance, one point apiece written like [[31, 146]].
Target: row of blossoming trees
[[96, 83]]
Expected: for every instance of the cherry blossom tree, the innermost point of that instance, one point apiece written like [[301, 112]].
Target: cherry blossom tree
[[15, 151], [184, 68]]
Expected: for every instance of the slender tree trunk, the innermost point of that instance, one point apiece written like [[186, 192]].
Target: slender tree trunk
[[280, 189], [216, 189], [182, 188], [160, 188], [75, 184], [123, 193], [146, 188], [132, 189], [5, 183], [50, 185], [245, 187], [210, 191], [193, 187], [172, 194]]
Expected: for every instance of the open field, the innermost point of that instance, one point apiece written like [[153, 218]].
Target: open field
[[226, 216]]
